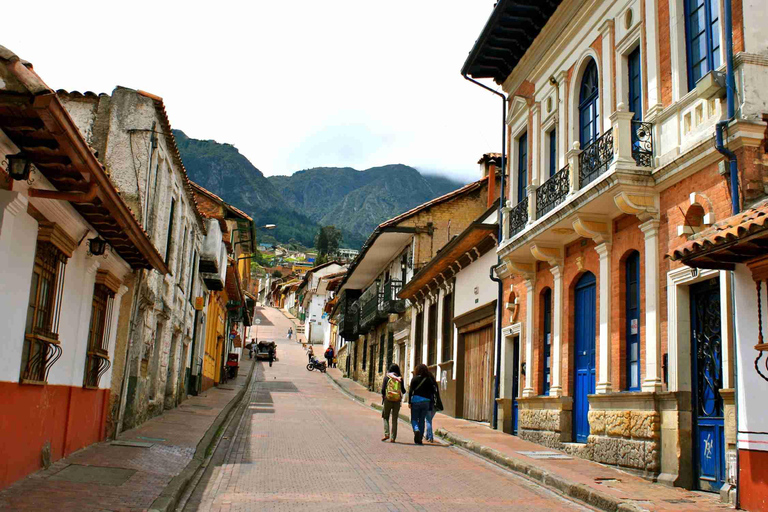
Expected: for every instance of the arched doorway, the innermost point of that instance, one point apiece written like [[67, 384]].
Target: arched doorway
[[584, 357]]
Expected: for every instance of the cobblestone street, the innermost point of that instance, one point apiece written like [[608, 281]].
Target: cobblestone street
[[302, 444]]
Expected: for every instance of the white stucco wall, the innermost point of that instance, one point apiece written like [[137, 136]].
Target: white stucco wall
[[471, 277], [752, 389]]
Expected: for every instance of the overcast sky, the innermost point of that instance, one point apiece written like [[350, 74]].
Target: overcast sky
[[292, 84]]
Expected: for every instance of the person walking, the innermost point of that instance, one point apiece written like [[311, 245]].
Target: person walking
[[290, 332], [310, 353], [435, 406], [392, 391], [271, 349], [329, 356], [420, 396]]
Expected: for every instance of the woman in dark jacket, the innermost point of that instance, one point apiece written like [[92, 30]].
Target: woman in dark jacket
[[420, 397]]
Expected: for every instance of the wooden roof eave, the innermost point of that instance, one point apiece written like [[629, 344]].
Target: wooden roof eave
[[58, 121], [470, 239]]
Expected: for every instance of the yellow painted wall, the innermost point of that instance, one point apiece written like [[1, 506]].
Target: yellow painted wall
[[214, 336]]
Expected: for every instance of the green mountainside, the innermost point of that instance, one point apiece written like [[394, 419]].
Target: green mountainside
[[354, 201]]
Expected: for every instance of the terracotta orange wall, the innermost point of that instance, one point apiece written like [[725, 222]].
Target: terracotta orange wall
[[69, 417], [753, 480]]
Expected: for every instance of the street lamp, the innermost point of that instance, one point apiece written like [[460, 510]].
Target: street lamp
[[18, 166]]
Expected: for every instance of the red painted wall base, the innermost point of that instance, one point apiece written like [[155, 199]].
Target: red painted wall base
[[68, 417], [753, 480]]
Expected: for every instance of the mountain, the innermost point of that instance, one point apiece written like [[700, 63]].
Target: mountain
[[221, 169], [358, 201], [353, 201]]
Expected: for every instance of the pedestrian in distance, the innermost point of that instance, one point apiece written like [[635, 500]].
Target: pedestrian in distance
[[329, 356], [420, 397], [310, 353], [392, 391], [435, 406], [271, 354], [290, 332]]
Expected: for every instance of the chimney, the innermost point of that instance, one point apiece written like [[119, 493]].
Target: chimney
[[488, 165], [491, 184]]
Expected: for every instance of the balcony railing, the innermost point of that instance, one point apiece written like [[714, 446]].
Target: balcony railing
[[642, 143], [518, 217], [369, 303], [391, 302], [97, 365], [552, 192], [595, 158]]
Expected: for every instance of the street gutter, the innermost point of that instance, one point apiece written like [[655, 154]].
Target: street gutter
[[170, 495]]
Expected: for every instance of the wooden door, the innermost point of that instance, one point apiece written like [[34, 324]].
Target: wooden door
[[478, 374]]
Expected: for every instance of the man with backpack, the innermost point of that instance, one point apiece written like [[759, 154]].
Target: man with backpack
[[392, 391], [329, 356]]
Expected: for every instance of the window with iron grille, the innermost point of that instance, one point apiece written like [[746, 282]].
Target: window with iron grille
[[390, 349], [41, 341], [365, 351], [447, 327], [432, 335], [97, 357]]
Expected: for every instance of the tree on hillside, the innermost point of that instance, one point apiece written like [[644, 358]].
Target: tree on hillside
[[328, 240]]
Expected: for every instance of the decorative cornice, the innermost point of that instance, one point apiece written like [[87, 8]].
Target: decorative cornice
[[641, 205], [596, 228], [552, 254]]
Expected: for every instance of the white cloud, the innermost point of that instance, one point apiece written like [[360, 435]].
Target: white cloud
[[292, 84]]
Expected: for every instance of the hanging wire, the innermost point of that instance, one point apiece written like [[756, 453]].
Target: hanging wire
[[760, 333]]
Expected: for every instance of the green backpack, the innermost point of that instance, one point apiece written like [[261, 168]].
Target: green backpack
[[393, 393]]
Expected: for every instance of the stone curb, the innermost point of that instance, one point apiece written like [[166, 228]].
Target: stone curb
[[345, 390], [580, 492], [169, 497]]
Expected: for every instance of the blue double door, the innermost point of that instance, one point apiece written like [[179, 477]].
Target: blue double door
[[584, 358], [707, 371]]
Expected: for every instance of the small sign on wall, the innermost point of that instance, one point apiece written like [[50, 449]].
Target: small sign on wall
[[199, 303], [633, 326]]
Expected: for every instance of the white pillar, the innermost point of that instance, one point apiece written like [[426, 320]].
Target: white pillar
[[411, 352], [606, 74], [555, 384], [563, 139], [653, 102], [652, 381], [528, 389], [534, 138], [425, 331], [439, 331], [604, 366]]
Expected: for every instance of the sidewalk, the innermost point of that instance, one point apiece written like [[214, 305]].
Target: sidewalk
[[603, 487], [146, 468]]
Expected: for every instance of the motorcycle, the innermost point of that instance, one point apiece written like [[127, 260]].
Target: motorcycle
[[316, 365]]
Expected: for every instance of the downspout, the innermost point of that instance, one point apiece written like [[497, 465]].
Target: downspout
[[500, 220], [730, 88]]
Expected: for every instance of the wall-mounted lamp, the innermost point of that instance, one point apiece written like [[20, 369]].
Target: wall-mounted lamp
[[97, 246], [18, 166]]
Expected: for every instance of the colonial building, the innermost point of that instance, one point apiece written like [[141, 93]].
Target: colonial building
[[131, 133], [312, 299], [225, 269], [70, 251], [615, 114], [455, 321], [369, 311]]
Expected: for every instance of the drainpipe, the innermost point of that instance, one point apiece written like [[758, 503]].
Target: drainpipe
[[730, 88], [499, 304]]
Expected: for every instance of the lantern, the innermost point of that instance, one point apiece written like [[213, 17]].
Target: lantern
[[97, 246], [18, 166]]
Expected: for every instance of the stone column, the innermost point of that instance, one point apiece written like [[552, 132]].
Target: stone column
[[652, 381], [621, 121], [534, 145], [425, 331], [439, 331], [563, 136], [532, 203], [653, 102], [411, 352], [528, 389], [555, 384], [572, 157], [604, 366]]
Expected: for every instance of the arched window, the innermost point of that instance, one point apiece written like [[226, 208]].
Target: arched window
[[546, 298], [589, 96], [632, 284]]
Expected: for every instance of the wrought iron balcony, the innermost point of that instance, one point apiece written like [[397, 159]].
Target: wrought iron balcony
[[595, 158], [349, 316], [41, 353], [552, 192], [518, 217], [642, 143]]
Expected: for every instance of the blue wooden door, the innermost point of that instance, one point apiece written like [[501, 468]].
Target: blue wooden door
[[706, 346], [515, 381], [584, 378]]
